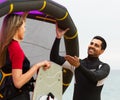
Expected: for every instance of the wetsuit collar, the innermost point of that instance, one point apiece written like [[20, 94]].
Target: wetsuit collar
[[92, 58]]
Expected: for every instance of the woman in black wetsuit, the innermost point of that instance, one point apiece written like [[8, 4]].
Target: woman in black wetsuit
[[90, 72]]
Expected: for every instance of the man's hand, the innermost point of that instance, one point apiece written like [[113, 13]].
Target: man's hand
[[60, 32], [73, 60]]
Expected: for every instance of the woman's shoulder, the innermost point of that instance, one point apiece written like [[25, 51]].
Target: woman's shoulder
[[14, 47]]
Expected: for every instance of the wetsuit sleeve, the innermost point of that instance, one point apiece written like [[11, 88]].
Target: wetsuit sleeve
[[54, 54], [97, 75]]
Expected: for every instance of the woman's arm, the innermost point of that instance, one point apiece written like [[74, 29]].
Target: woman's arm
[[20, 79]]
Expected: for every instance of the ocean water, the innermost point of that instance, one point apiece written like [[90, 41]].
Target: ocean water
[[111, 89]]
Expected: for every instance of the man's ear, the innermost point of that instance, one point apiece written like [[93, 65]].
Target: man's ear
[[102, 51]]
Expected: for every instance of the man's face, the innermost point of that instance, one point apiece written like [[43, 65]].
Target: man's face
[[94, 48]]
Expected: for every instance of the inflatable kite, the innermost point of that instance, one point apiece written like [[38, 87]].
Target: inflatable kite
[[47, 11]]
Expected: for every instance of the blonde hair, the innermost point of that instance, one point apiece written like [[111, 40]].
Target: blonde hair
[[10, 25]]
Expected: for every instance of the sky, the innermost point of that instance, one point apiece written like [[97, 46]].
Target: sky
[[97, 17]]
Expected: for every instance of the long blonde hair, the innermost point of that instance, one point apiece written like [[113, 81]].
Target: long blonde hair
[[10, 25]]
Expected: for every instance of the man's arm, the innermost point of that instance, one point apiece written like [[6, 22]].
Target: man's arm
[[54, 54], [98, 74]]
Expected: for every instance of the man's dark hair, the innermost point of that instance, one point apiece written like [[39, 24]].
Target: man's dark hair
[[104, 44]]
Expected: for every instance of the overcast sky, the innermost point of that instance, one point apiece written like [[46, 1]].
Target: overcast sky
[[97, 17]]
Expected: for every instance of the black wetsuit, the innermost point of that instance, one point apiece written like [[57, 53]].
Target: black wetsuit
[[89, 75], [22, 93]]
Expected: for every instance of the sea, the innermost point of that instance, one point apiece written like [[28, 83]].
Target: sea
[[110, 91]]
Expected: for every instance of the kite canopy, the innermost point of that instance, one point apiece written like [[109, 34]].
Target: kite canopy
[[48, 11]]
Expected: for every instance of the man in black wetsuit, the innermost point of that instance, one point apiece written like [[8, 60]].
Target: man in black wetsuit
[[90, 72]]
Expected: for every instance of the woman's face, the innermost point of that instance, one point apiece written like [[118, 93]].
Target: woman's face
[[21, 31]]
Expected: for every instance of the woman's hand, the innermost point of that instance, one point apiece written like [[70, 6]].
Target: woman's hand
[[44, 64]]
